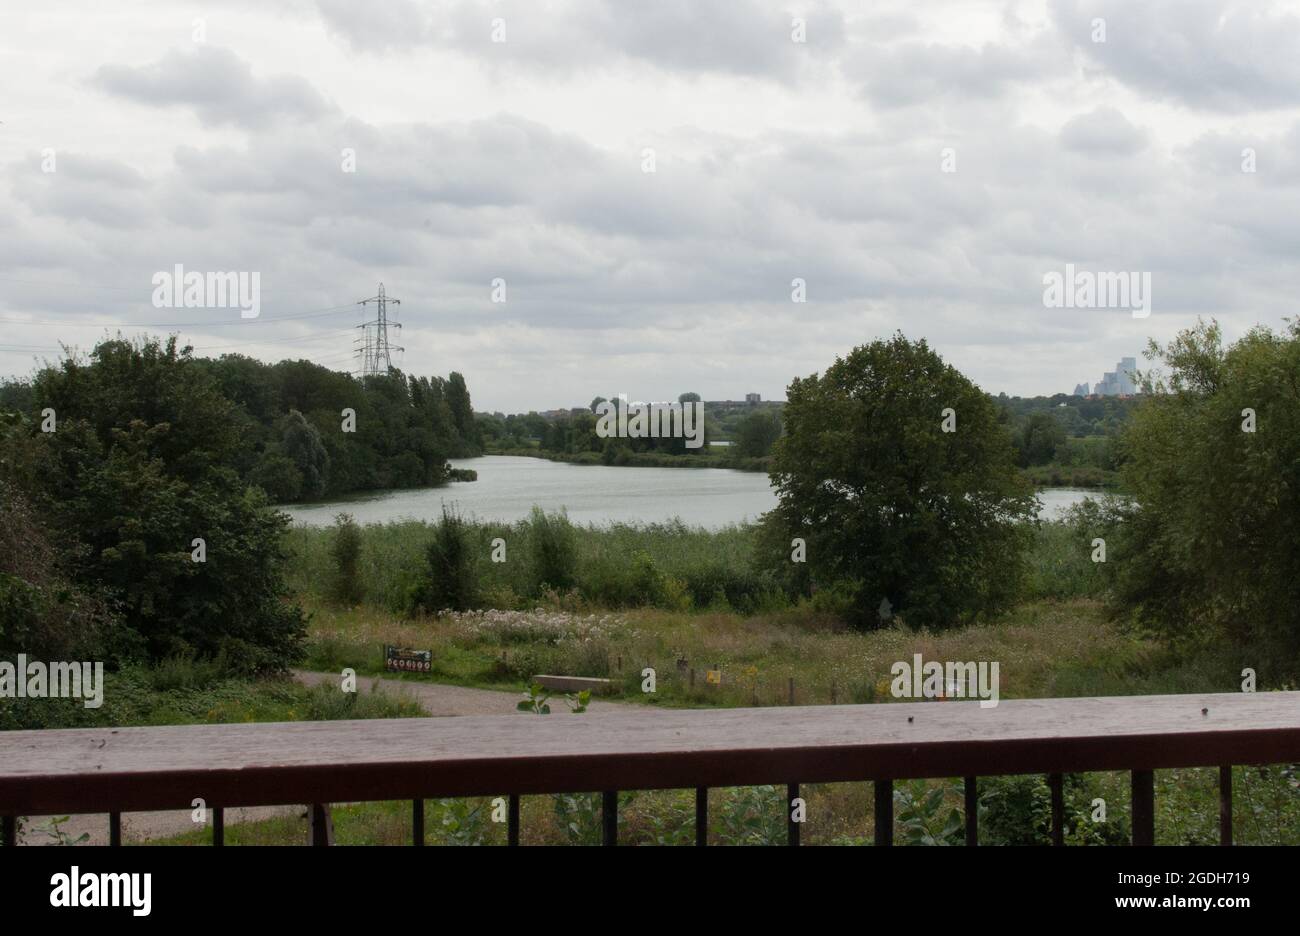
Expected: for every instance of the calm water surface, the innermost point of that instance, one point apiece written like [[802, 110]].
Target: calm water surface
[[509, 486]]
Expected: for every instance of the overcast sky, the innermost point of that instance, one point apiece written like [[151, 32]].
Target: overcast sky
[[774, 160]]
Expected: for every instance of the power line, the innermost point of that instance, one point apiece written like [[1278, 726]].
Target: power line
[[315, 313], [318, 337], [322, 336]]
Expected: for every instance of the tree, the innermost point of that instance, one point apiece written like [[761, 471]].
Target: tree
[[277, 475], [135, 482], [462, 412], [893, 508], [1039, 438], [452, 577], [302, 445], [757, 434], [1209, 542]]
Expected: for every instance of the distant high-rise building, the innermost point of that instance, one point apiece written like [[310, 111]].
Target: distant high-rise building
[[1120, 381], [1080, 389], [753, 398], [1125, 374]]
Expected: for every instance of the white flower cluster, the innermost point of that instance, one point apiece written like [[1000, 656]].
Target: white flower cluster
[[536, 626]]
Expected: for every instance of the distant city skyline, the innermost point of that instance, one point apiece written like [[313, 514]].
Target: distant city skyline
[[1119, 382]]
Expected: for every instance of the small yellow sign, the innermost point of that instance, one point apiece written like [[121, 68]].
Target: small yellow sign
[[713, 677]]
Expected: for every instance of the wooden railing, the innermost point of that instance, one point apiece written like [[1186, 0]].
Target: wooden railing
[[315, 763]]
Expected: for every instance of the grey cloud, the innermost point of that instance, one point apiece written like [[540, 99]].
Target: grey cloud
[[1210, 54], [1104, 132], [1219, 157], [376, 27], [218, 85], [619, 269], [741, 37], [901, 74], [84, 188]]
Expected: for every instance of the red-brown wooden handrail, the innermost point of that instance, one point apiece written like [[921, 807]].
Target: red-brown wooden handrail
[[136, 769]]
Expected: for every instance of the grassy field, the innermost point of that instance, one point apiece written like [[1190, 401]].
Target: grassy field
[[183, 692], [716, 613], [679, 599], [1044, 649]]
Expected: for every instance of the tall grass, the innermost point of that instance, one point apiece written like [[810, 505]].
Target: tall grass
[[612, 566], [1061, 565], [666, 565]]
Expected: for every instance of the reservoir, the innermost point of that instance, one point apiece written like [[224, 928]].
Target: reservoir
[[508, 487]]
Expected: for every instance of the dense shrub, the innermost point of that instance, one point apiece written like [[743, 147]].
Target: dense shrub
[[42, 612], [347, 587], [136, 484], [552, 550], [451, 582]]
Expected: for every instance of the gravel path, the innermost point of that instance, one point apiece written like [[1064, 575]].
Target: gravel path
[[437, 700]]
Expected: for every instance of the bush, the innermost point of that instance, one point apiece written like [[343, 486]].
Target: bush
[[347, 588], [452, 580], [1015, 810], [553, 550]]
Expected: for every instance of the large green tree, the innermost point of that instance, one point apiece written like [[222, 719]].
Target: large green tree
[[757, 434], [897, 474], [1209, 541], [134, 473]]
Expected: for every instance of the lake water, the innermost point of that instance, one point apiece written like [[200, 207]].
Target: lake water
[[509, 486]]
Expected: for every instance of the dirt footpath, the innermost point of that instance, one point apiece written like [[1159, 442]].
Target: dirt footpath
[[436, 700], [439, 700]]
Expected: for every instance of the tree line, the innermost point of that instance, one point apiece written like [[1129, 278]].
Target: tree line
[[142, 478]]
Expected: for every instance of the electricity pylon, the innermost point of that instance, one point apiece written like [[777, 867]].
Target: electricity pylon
[[373, 344]]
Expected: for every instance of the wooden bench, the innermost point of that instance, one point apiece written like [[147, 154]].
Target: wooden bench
[[572, 683]]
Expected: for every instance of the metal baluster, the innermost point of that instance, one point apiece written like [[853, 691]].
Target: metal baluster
[[609, 816], [884, 812], [1142, 785], [218, 825], [1225, 805], [417, 822], [701, 816], [1056, 783], [114, 829], [791, 827], [321, 833], [512, 819], [972, 811]]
